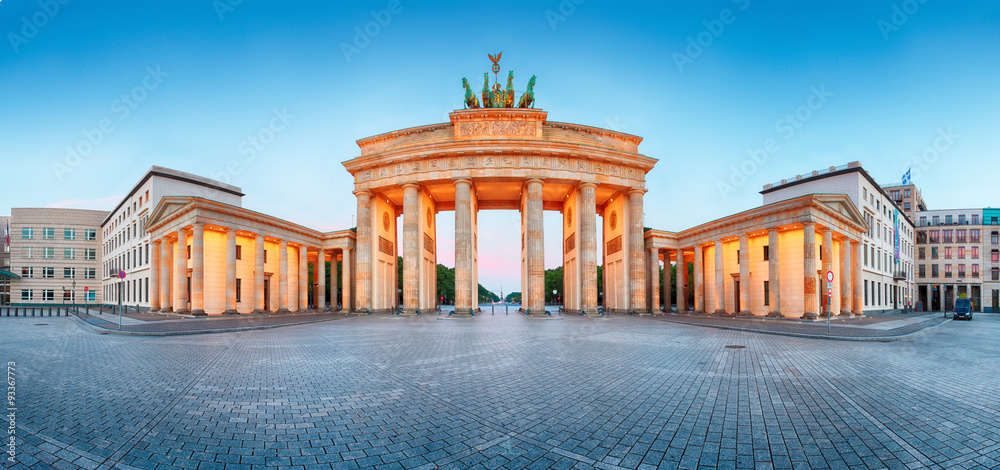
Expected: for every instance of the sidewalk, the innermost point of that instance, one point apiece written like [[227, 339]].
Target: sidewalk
[[153, 324], [887, 327]]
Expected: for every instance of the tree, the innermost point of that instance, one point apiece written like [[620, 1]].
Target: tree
[[553, 282], [513, 297], [445, 284]]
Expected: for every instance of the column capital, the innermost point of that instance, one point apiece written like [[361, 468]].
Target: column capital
[[534, 180], [809, 223], [462, 180], [587, 184], [409, 185], [637, 190], [362, 192], [156, 241], [855, 242]]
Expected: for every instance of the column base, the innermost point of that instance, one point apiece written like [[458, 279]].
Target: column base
[[775, 314], [745, 313], [283, 310], [810, 316], [463, 312], [590, 313], [858, 315], [719, 312], [409, 312], [181, 311], [258, 311], [154, 309], [845, 315], [165, 310], [642, 312], [230, 311], [199, 312]]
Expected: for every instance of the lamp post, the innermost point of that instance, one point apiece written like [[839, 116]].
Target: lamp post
[[73, 296]]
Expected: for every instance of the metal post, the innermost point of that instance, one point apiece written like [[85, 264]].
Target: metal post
[[121, 286]]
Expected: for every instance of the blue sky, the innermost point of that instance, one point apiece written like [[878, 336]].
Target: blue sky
[[893, 75]]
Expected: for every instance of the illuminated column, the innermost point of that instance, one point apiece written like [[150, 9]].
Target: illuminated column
[[653, 282], [667, 281], [320, 273], [827, 267], [682, 270], [720, 288], [411, 249], [258, 274], [810, 301], [303, 278], [637, 266], [699, 278], [744, 275], [230, 273], [345, 280], [154, 273], [588, 247], [464, 293], [198, 270], [857, 292], [363, 267], [165, 294], [180, 274], [845, 278], [773, 274], [536, 248], [283, 277]]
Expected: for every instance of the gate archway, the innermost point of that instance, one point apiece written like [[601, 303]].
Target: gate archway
[[500, 158]]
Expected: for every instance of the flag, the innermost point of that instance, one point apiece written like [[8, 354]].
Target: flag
[[906, 177]]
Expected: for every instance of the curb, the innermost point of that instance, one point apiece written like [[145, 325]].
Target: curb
[[880, 339], [105, 331]]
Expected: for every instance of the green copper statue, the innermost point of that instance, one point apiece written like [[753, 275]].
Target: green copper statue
[[508, 94], [528, 98], [471, 102]]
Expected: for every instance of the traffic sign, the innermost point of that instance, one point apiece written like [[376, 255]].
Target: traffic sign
[[121, 274], [85, 289], [830, 293], [829, 276], [829, 285]]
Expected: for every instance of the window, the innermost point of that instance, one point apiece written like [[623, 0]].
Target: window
[[69, 273], [90, 235], [90, 273], [993, 220], [27, 233], [921, 237], [239, 251], [923, 221], [947, 270], [975, 253], [27, 272], [90, 253], [995, 274], [864, 193], [960, 236], [265, 256], [48, 253], [933, 236], [995, 256], [49, 233], [26, 252], [974, 235], [961, 219], [934, 270], [961, 252], [48, 294], [866, 292], [993, 238], [936, 220], [975, 219], [961, 270], [239, 289], [48, 273], [69, 253], [69, 234], [767, 292], [948, 238], [947, 220], [975, 270], [947, 252], [906, 206], [906, 192], [920, 253], [189, 252], [27, 294], [923, 271], [91, 296]]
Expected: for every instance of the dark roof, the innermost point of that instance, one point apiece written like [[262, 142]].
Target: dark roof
[[174, 175]]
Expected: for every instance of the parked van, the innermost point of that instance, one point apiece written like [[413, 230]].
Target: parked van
[[963, 310]]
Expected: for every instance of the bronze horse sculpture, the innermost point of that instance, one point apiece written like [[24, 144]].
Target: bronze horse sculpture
[[471, 102], [488, 98], [528, 98], [508, 94]]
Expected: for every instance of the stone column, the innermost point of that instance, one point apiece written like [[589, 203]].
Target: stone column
[[720, 280], [180, 274], [637, 266], [654, 280], [699, 278], [588, 248], [303, 278], [363, 268], [345, 280], [667, 281], [320, 273], [809, 292], [198, 270], [258, 274], [682, 270], [411, 249], [166, 298], [154, 273], [773, 273], [857, 292], [845, 278], [827, 267], [230, 273], [941, 292], [464, 293], [744, 275], [535, 241], [282, 277]]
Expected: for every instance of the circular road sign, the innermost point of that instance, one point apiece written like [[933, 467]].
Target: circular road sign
[[121, 274], [85, 289], [829, 276]]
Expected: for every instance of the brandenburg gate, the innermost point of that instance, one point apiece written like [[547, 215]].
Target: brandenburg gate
[[500, 158]]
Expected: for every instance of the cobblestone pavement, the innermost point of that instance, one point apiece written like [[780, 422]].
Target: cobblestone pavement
[[502, 392]]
